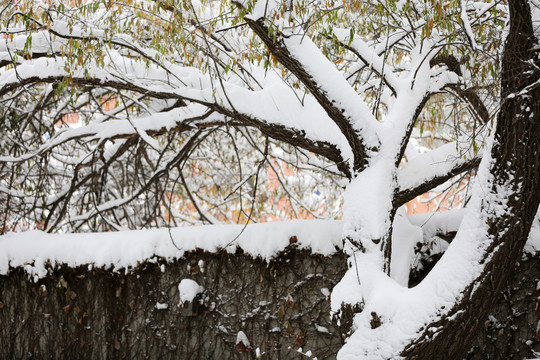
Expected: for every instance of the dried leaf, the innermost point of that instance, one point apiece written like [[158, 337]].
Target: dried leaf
[[62, 283], [240, 347], [290, 302], [299, 340], [288, 327]]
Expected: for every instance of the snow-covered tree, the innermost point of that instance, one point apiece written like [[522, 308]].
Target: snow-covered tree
[[174, 101]]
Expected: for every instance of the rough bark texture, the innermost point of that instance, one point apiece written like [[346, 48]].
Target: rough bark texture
[[99, 314], [511, 329], [516, 164]]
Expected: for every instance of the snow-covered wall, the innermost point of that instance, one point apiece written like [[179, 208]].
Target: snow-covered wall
[[196, 307], [208, 293], [244, 307], [36, 250]]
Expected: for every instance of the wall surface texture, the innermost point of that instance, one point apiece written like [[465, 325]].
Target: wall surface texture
[[281, 306]]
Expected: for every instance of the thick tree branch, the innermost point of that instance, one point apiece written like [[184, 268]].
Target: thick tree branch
[[275, 131], [410, 128], [469, 95], [407, 194], [513, 178], [279, 50], [295, 138], [433, 168]]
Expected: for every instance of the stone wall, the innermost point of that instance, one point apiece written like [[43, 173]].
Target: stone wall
[[97, 314], [281, 306]]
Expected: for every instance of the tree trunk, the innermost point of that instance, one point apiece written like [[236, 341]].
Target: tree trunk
[[516, 164]]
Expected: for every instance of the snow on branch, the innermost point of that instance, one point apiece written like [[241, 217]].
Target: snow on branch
[[433, 168], [343, 105], [274, 110], [369, 57]]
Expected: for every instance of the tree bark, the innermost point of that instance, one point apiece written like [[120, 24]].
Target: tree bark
[[516, 162]]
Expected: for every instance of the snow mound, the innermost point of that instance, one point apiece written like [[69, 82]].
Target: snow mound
[[241, 338], [188, 289]]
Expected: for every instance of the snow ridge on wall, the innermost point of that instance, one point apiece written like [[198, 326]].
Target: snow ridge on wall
[[36, 251]]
